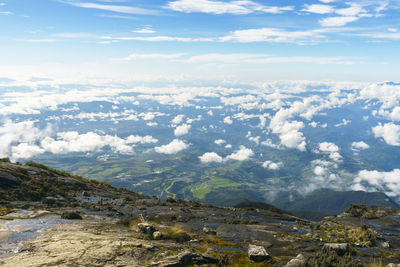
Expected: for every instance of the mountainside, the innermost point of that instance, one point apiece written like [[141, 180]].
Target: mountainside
[[324, 202], [52, 218]]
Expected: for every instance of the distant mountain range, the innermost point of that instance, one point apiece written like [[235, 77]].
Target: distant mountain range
[[326, 202]]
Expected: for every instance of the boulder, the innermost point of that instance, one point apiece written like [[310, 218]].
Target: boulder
[[258, 253], [339, 248], [296, 262]]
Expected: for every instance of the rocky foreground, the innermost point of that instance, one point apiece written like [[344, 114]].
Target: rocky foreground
[[51, 218]]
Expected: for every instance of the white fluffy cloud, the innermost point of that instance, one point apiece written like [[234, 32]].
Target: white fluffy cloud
[[24, 140], [242, 154], [388, 182], [390, 132], [359, 145], [331, 149], [210, 157], [178, 119], [228, 120], [328, 147], [67, 142], [219, 142], [318, 9], [172, 148], [182, 129], [12, 134], [272, 165], [25, 150]]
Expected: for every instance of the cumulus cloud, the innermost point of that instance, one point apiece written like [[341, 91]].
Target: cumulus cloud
[[390, 132], [319, 170], [272, 165], [359, 145], [14, 133], [328, 147], [331, 149], [148, 139], [293, 139], [25, 150], [67, 142], [182, 129], [172, 148], [25, 140], [178, 119], [228, 120], [343, 123], [219, 141], [210, 157], [242, 154], [388, 182]]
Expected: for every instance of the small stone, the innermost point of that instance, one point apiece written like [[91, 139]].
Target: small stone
[[258, 253], [157, 235], [385, 244], [209, 231], [296, 262]]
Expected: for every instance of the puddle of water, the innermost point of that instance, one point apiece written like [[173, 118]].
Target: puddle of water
[[23, 230]]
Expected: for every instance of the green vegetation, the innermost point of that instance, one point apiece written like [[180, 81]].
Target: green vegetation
[[4, 211], [6, 160], [71, 216], [361, 211], [331, 259], [46, 183], [176, 233], [363, 236], [201, 190]]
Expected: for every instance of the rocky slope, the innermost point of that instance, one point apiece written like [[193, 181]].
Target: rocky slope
[[52, 218]]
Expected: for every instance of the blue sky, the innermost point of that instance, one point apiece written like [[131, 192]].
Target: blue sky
[[201, 40]]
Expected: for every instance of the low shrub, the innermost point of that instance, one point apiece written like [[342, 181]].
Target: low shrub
[[331, 259], [71, 216], [176, 233]]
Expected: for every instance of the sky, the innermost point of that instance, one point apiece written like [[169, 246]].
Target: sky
[[200, 40]]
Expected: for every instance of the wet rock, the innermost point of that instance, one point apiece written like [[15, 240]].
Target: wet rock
[[296, 262], [209, 231], [187, 258], [258, 253], [157, 235], [146, 228], [339, 248]]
